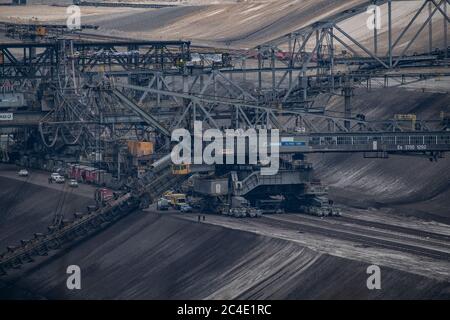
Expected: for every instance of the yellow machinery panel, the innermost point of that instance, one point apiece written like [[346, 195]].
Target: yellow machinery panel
[[181, 169], [140, 149]]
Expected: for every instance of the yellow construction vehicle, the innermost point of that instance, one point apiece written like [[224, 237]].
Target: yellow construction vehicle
[[176, 200]]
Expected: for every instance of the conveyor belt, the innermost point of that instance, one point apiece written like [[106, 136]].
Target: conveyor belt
[[149, 188]]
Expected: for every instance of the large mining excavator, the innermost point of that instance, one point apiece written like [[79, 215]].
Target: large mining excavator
[[233, 189]]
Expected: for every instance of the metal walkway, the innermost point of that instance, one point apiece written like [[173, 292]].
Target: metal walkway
[[390, 142]]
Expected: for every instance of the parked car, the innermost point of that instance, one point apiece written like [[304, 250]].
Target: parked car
[[185, 208], [73, 183], [23, 173], [163, 204], [54, 175], [59, 179]]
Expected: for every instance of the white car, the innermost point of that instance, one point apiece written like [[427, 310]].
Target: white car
[[54, 175], [59, 179], [23, 173], [73, 183]]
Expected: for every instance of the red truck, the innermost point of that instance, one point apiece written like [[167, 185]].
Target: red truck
[[103, 196]]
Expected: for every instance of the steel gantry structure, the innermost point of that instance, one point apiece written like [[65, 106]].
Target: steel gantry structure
[[303, 69], [37, 60], [286, 81]]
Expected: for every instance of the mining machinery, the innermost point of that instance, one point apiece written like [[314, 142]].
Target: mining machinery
[[95, 92]]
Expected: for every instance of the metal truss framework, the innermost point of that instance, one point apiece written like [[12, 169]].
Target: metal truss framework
[[21, 61], [285, 83]]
